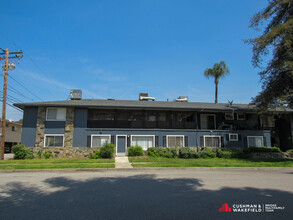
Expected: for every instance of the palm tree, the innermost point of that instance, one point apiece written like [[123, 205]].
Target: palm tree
[[218, 71]]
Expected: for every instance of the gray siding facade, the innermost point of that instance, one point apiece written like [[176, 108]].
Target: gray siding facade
[[28, 136], [82, 134], [193, 137]]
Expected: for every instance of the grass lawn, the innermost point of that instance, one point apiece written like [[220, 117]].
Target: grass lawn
[[214, 162], [57, 163]]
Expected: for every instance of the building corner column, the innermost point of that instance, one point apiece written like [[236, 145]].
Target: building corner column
[[69, 128], [40, 128]]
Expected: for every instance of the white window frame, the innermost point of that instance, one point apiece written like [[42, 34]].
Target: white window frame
[[99, 135], [201, 121], [254, 137], [145, 135], [231, 139], [218, 136], [56, 115], [241, 119], [227, 115], [167, 144], [45, 137]]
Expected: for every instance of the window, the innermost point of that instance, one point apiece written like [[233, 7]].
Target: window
[[56, 114], [240, 116], [162, 116], [267, 121], [54, 140], [152, 118], [145, 141], [211, 141], [13, 128], [229, 116], [175, 141], [233, 137], [99, 140], [207, 121], [255, 141]]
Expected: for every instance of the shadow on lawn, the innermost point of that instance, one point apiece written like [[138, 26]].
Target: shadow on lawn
[[136, 197]]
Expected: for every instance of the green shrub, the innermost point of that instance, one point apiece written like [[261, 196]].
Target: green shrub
[[151, 152], [184, 152], [107, 151], [219, 153], [162, 152], [40, 153], [193, 154], [240, 154], [262, 150], [227, 154], [207, 153], [290, 151], [47, 155], [96, 155], [135, 151], [22, 152]]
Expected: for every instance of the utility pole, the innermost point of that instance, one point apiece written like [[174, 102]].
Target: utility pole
[[7, 66]]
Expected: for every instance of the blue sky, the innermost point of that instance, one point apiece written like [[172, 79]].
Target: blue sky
[[117, 49]]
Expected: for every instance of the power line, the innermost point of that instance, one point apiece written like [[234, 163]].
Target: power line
[[44, 89], [25, 88], [11, 97], [12, 106], [31, 59], [12, 89]]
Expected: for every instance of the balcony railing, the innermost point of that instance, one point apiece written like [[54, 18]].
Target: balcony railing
[[140, 124]]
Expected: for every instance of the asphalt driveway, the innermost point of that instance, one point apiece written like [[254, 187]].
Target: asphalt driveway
[[195, 193]]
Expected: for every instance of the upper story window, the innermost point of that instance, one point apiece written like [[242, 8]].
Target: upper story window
[[13, 128], [267, 121], [56, 114], [208, 121], [240, 116]]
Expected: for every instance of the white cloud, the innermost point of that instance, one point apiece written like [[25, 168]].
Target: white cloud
[[62, 85]]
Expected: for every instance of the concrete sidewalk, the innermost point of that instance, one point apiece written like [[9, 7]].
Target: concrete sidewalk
[[122, 162]]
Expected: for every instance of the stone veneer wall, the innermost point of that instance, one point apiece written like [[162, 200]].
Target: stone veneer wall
[[62, 152], [69, 128], [40, 128], [68, 151]]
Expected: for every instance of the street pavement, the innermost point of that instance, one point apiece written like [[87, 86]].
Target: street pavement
[[192, 193]]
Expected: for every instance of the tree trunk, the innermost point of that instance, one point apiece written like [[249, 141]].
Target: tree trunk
[[216, 94]]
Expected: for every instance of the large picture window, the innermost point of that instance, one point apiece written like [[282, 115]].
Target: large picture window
[[56, 114], [255, 141], [175, 141], [211, 141], [100, 140], [144, 141], [54, 140]]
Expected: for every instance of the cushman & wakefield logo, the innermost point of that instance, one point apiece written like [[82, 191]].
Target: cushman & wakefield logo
[[250, 208], [225, 208]]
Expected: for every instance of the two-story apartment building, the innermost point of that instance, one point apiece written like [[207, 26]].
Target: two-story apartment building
[[89, 123]]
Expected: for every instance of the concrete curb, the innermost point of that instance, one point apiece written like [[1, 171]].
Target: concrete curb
[[146, 168]]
